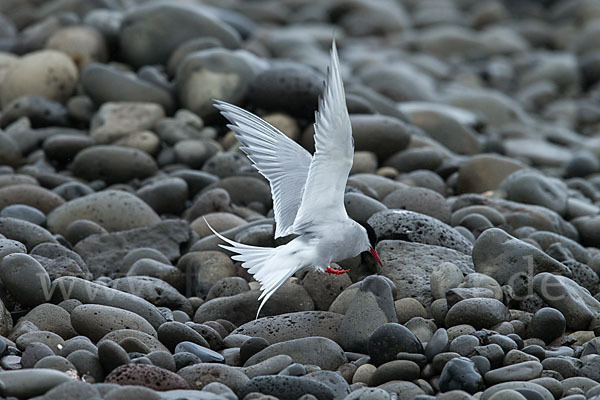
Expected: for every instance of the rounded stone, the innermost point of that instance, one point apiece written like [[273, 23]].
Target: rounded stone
[[28, 383], [115, 120], [460, 374], [47, 73], [371, 307], [421, 200], [165, 196], [485, 172], [113, 164], [417, 158], [114, 210], [227, 163], [408, 308], [34, 196], [24, 212], [294, 89], [156, 269], [245, 190], [380, 134], [172, 333], [63, 147], [78, 343], [220, 73], [95, 321], [203, 353], [287, 387], [444, 277], [57, 363], [204, 269], [82, 43], [106, 84], [478, 312], [530, 187], [220, 222], [153, 290], [33, 353], [547, 324], [251, 347], [402, 370], [194, 153], [25, 279], [360, 207], [52, 340], [200, 375], [162, 359], [53, 318], [87, 364], [111, 355], [148, 35], [150, 376], [229, 286], [82, 228], [389, 339], [324, 289], [524, 371], [314, 350], [437, 344], [279, 328]]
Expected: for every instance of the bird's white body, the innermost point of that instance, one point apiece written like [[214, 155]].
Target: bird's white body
[[308, 190]]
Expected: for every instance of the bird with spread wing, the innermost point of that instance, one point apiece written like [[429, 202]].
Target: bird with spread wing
[[308, 190]]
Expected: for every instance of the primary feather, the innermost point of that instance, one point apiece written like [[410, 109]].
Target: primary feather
[[277, 157]]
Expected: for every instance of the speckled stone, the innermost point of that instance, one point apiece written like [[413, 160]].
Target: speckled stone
[[287, 387], [200, 375], [114, 210], [315, 350], [419, 228], [95, 321], [146, 375], [279, 328]]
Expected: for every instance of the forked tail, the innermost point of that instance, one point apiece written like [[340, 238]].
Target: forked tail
[[262, 262]]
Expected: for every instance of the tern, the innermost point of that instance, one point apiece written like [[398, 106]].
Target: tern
[[307, 190]]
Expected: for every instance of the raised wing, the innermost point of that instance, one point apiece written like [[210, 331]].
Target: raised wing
[[277, 157], [323, 197]]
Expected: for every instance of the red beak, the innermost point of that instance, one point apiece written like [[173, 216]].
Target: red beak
[[374, 254]]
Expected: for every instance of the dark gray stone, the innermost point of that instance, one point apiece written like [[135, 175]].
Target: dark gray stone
[[287, 387], [414, 227]]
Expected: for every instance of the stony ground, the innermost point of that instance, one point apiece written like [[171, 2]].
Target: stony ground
[[477, 167]]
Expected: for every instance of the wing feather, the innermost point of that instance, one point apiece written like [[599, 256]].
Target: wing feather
[[278, 158], [323, 196]]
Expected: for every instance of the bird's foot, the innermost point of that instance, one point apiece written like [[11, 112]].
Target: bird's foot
[[330, 270]]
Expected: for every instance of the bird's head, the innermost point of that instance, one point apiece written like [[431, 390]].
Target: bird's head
[[368, 242]]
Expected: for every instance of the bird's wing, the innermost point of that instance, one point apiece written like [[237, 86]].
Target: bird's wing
[[323, 196], [277, 157]]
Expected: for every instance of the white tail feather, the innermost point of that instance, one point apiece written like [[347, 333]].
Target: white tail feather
[[262, 263]]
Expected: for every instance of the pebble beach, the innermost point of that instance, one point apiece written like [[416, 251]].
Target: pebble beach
[[476, 171]]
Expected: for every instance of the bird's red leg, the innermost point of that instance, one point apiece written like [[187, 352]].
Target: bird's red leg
[[330, 270]]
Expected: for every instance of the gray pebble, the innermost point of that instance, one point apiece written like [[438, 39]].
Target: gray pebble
[[25, 278], [287, 387], [323, 352], [372, 306], [148, 35]]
